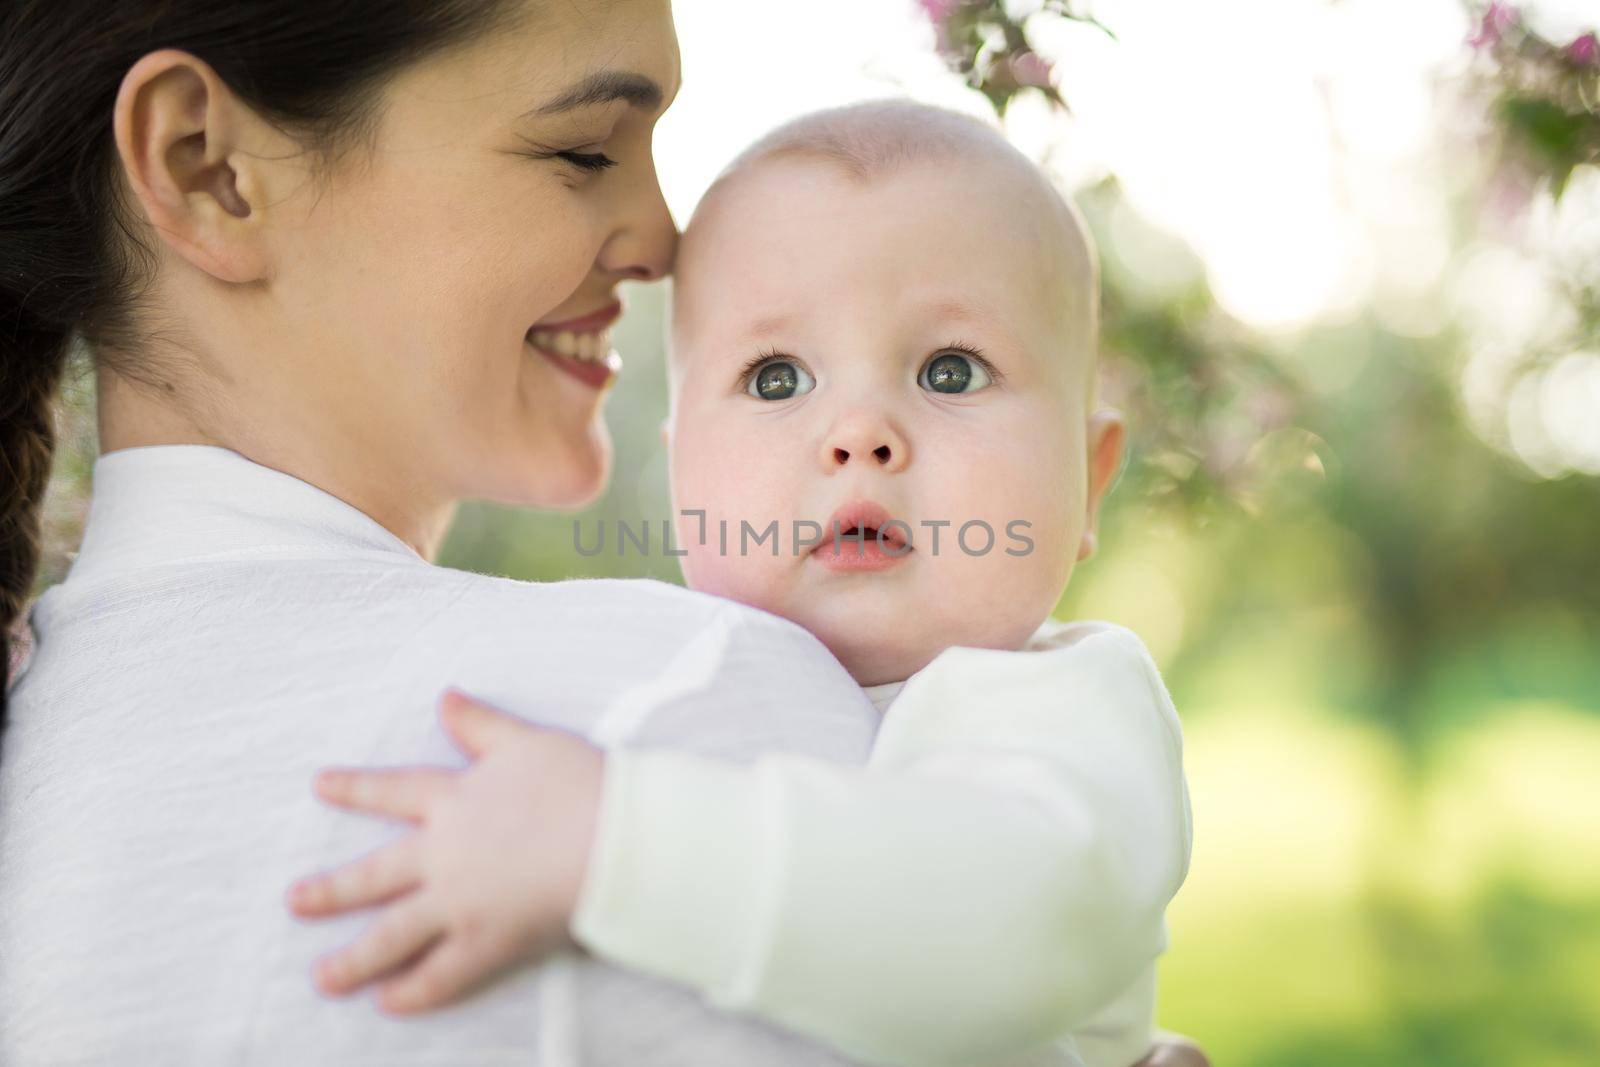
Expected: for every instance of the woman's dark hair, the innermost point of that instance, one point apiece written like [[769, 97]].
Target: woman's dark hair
[[71, 264]]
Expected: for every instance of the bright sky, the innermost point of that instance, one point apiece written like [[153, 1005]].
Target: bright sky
[[1261, 131], [1293, 144]]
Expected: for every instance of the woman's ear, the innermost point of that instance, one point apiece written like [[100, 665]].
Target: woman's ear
[[1104, 439], [196, 158]]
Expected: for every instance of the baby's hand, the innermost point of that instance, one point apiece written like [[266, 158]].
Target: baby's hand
[[491, 875]]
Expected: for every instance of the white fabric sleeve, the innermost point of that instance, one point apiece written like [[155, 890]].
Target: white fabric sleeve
[[997, 873]]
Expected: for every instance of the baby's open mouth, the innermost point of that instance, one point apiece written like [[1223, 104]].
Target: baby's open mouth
[[861, 549], [862, 536], [889, 537]]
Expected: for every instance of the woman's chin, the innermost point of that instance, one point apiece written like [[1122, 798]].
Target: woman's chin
[[575, 498], [575, 480]]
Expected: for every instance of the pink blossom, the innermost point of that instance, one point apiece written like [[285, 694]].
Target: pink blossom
[[1497, 19], [1585, 51], [21, 642], [1030, 68], [939, 11]]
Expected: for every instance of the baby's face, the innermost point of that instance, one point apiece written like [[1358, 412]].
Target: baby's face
[[900, 349]]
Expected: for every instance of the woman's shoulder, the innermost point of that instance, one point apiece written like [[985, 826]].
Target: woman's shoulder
[[642, 608], [615, 598], [635, 646]]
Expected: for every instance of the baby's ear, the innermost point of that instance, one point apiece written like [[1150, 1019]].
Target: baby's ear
[[1104, 438]]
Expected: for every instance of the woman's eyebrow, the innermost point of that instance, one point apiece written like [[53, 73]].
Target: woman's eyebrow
[[602, 87]]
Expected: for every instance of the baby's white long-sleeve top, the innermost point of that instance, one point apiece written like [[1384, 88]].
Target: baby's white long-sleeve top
[[994, 880]]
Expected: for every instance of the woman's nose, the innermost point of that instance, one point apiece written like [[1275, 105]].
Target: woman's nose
[[865, 439], [645, 240]]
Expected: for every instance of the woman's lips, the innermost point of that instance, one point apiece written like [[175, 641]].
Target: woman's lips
[[593, 322], [581, 347], [596, 374]]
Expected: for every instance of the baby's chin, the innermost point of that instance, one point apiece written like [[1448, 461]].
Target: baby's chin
[[878, 634], [875, 666], [874, 657], [875, 654]]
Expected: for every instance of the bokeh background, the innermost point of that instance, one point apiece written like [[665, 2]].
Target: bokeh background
[[1352, 306]]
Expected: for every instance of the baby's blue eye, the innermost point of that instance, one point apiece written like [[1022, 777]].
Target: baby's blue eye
[[779, 379], [951, 372]]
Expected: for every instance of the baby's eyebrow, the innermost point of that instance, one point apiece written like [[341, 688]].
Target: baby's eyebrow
[[953, 308], [949, 311], [938, 311], [766, 326]]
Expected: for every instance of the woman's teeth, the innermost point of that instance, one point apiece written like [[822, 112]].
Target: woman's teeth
[[584, 347]]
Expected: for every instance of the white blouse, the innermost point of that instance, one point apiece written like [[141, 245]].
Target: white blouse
[[1025, 809], [227, 629]]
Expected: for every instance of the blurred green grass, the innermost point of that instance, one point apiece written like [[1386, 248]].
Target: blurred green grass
[[1340, 910]]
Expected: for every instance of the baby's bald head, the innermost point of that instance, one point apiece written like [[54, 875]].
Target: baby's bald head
[[878, 140]]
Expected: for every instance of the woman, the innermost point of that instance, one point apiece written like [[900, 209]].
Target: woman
[[339, 267]]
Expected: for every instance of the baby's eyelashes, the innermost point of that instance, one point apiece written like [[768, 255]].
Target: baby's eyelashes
[[779, 379], [952, 369], [954, 372]]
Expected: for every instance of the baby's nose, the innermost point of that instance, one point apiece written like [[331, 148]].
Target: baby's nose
[[862, 439]]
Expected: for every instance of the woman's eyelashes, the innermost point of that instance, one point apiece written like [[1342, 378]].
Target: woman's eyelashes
[[951, 370], [581, 157], [593, 161]]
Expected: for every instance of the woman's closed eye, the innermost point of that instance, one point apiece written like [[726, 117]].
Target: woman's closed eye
[[588, 160], [587, 157]]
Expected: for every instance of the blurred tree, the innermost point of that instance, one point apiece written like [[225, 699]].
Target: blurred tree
[[1465, 565], [1543, 94]]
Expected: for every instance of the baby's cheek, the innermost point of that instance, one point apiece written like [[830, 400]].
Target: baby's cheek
[[709, 503], [751, 579], [1012, 583], [703, 568]]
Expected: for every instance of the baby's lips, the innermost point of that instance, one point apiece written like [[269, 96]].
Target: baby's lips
[[863, 514]]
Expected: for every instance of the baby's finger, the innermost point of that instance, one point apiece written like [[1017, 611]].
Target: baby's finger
[[441, 976], [403, 930], [373, 879], [403, 794], [477, 727]]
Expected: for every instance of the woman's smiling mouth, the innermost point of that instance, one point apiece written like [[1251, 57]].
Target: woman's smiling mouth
[[581, 347]]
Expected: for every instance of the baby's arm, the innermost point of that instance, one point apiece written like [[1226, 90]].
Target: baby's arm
[[995, 875]]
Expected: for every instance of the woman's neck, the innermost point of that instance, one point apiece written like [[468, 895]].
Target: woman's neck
[[128, 417]]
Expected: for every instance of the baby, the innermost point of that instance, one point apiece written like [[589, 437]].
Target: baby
[[883, 427]]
